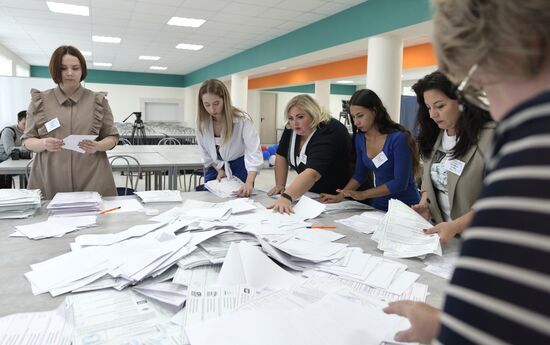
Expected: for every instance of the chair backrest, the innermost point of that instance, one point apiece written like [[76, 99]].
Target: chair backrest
[[28, 168], [124, 141], [169, 141], [132, 175]]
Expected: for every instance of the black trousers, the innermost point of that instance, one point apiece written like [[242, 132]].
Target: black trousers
[[6, 181]]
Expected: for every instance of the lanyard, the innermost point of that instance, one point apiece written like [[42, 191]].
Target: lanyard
[[291, 155]]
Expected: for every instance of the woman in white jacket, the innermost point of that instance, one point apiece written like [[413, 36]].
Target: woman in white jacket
[[228, 140]]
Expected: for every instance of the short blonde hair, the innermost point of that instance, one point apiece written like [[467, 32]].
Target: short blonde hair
[[505, 38], [311, 107]]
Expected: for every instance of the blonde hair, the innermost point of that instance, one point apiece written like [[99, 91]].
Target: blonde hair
[[311, 107], [216, 87], [510, 38]]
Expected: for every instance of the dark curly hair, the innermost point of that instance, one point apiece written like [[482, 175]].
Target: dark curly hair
[[369, 99], [468, 127]]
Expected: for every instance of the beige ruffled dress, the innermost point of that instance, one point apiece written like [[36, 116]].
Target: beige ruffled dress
[[85, 112]]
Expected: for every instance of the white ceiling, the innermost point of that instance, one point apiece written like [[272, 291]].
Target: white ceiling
[[32, 32]]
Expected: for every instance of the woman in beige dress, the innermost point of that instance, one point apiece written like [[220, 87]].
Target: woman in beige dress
[[57, 113]]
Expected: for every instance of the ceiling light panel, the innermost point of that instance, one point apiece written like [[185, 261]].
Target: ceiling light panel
[[158, 68], [106, 39], [188, 22], [59, 7], [103, 64], [187, 46], [147, 57]]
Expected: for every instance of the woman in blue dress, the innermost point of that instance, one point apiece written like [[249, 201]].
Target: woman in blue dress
[[383, 147]]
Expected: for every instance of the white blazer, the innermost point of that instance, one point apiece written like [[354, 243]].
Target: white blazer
[[244, 142]]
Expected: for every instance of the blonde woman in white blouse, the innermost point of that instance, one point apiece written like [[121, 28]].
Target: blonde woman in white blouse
[[228, 141]]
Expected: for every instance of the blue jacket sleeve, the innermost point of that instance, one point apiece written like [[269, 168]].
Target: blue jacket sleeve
[[402, 164], [361, 171]]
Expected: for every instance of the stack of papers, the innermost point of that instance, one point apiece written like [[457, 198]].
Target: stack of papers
[[75, 203], [400, 235], [225, 188], [160, 196], [18, 203]]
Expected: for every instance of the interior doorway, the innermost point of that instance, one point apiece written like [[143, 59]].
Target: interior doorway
[[268, 113]]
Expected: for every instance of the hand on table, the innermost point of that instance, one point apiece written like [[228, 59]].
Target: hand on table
[[424, 319], [282, 205], [331, 198], [354, 194], [245, 190], [276, 190]]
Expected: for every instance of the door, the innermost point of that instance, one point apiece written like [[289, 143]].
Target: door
[[268, 112]]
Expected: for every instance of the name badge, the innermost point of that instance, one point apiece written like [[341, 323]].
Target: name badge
[[380, 159], [52, 124], [303, 158], [455, 166]]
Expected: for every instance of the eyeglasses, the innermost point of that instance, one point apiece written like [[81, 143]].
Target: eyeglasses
[[468, 93]]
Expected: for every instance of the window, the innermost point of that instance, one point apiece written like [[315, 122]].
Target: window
[[21, 71], [5, 66]]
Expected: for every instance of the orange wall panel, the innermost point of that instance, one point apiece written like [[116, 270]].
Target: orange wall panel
[[421, 55]]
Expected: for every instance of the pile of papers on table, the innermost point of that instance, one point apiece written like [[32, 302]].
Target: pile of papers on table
[[75, 203], [176, 260], [19, 203]]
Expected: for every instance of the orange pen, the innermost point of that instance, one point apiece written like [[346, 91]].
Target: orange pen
[[109, 210]]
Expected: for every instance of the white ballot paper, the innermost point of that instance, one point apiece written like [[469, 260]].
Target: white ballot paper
[[71, 142], [48, 327], [116, 317], [248, 265], [308, 208], [331, 320]]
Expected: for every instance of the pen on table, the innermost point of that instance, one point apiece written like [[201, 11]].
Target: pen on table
[[321, 227], [109, 210]]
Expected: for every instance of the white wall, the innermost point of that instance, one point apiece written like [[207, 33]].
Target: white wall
[[284, 97], [16, 62], [254, 107], [123, 99]]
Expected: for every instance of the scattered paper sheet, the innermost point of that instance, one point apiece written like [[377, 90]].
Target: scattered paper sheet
[[160, 196], [307, 208], [126, 205], [248, 265], [49, 327]]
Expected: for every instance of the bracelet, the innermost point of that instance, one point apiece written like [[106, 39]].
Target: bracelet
[[286, 196]]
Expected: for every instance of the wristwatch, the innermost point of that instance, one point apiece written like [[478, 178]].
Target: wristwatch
[[286, 196]]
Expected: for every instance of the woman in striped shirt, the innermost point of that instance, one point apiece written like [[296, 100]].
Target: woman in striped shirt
[[500, 290]]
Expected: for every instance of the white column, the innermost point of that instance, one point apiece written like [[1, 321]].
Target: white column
[[322, 93], [384, 67], [190, 95], [239, 91]]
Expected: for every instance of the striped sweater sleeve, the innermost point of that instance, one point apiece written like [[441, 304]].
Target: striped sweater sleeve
[[500, 290]]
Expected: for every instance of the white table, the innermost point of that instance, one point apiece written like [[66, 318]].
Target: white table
[[155, 159]]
